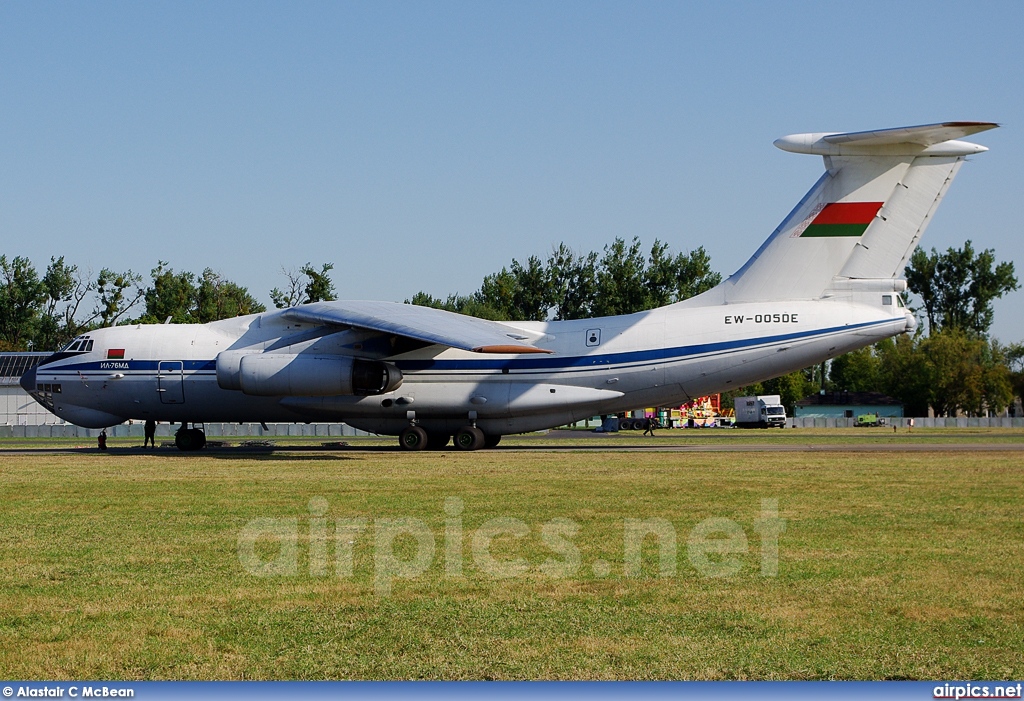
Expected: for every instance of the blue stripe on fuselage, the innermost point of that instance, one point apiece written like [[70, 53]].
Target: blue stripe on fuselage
[[598, 361], [547, 363]]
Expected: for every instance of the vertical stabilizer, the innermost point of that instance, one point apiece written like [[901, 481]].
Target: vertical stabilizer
[[864, 216]]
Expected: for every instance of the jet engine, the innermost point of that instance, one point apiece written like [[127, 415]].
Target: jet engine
[[289, 375]]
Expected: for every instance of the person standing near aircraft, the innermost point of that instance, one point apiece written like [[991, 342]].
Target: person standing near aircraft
[[150, 434]]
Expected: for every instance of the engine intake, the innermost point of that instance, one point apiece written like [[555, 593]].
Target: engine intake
[[288, 375]]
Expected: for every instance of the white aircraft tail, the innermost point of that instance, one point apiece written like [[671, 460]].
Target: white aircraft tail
[[861, 221]]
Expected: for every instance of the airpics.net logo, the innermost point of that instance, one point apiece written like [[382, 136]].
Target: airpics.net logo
[[404, 548]]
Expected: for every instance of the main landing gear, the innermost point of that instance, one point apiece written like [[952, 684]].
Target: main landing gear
[[470, 437], [189, 439]]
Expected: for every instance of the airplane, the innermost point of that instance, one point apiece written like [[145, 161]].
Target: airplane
[[825, 282]]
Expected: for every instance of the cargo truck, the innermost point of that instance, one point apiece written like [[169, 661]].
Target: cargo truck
[[762, 411]]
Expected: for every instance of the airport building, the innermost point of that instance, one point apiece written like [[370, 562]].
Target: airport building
[[848, 405]]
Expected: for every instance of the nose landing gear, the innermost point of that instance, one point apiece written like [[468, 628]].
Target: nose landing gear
[[189, 439]]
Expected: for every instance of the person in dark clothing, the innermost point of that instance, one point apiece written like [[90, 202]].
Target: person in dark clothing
[[150, 433], [652, 423]]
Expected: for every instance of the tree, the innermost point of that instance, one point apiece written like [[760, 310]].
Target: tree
[[292, 294], [217, 298], [572, 282], [957, 287], [1014, 357], [791, 387], [319, 286], [968, 374], [950, 371], [185, 299], [570, 285], [305, 285], [169, 296], [22, 294], [621, 279], [66, 289], [904, 373], [117, 293], [857, 371]]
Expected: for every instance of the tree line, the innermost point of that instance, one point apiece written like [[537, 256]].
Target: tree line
[[950, 364], [571, 285], [44, 310]]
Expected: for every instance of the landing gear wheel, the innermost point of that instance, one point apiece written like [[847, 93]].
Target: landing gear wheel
[[469, 438], [491, 440], [413, 438], [437, 441], [189, 439]]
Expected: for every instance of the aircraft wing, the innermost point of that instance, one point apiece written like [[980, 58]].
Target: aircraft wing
[[419, 323]]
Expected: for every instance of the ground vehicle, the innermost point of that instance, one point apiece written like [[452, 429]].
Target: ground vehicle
[[870, 420], [762, 411]]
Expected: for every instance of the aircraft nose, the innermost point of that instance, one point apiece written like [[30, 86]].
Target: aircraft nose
[[28, 380]]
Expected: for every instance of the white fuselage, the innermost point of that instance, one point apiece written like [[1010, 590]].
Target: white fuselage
[[606, 365]]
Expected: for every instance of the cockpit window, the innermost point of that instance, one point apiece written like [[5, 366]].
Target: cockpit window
[[886, 300], [899, 301], [79, 345]]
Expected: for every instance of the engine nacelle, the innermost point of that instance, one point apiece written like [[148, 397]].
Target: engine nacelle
[[289, 375]]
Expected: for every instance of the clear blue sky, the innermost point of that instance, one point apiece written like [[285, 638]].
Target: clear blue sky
[[420, 146]]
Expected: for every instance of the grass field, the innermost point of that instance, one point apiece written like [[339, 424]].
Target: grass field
[[891, 566]]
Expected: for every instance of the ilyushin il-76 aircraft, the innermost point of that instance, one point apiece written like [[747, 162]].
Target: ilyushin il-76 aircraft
[[824, 283]]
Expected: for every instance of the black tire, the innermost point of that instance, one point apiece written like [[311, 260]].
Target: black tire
[[469, 438], [625, 425], [413, 438], [491, 440], [437, 441], [189, 439], [639, 424]]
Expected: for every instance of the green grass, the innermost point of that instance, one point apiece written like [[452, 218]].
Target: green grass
[[892, 566]]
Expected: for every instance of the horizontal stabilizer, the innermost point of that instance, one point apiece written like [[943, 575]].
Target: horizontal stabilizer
[[926, 139]]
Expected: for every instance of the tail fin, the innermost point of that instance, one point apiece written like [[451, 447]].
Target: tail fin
[[861, 221]]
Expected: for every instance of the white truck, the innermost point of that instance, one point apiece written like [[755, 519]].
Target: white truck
[[762, 411]]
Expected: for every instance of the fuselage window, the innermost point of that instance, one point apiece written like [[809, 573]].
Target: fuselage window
[[886, 300]]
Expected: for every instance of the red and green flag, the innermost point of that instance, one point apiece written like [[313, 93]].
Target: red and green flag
[[842, 219]]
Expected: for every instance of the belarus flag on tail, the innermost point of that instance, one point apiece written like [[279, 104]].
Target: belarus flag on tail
[[842, 219]]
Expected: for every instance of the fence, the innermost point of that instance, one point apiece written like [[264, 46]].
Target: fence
[[924, 422], [213, 430]]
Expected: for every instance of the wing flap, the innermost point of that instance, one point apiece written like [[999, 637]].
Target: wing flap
[[419, 323]]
